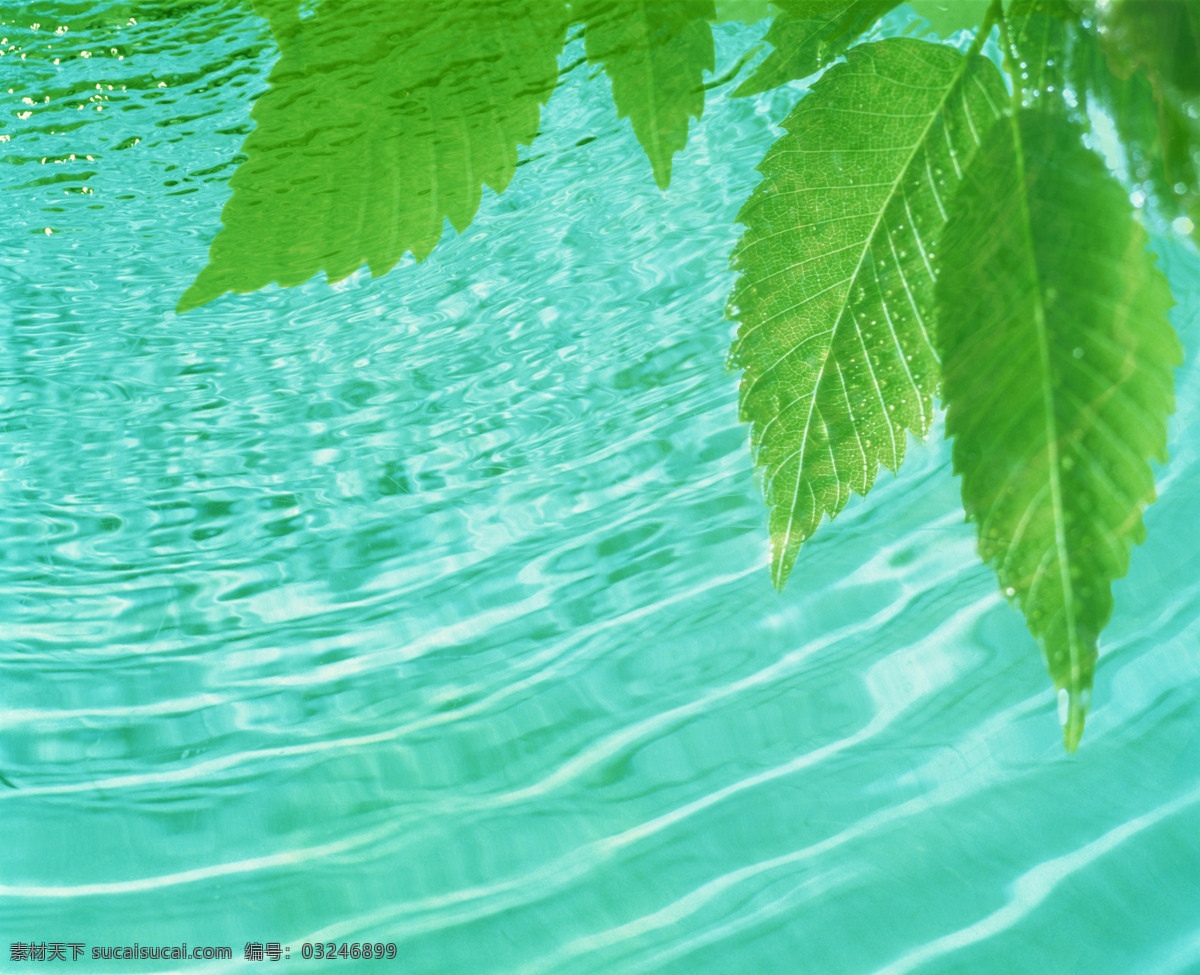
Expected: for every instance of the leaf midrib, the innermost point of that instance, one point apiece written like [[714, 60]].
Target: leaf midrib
[[1043, 341]]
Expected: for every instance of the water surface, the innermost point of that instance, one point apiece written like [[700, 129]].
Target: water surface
[[434, 609]]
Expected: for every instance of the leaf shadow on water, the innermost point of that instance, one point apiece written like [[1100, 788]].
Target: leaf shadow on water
[[374, 131], [381, 122]]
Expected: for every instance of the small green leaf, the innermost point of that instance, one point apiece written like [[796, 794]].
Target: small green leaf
[[836, 291], [743, 11], [950, 16], [1057, 362], [1118, 94], [1161, 36], [656, 53], [809, 34], [380, 122], [1154, 48], [1041, 30]]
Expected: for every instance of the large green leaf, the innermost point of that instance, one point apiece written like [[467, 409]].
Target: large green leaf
[[1057, 362], [381, 121], [836, 288], [656, 53], [809, 34]]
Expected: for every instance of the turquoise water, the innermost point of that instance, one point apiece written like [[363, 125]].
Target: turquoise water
[[434, 609]]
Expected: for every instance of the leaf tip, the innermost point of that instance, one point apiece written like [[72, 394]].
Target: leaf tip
[[192, 298], [207, 286], [1072, 712], [783, 557]]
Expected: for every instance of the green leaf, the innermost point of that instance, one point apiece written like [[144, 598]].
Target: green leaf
[[743, 11], [656, 53], [809, 34], [1057, 362], [1060, 53], [283, 16], [1041, 31], [374, 130], [950, 16], [836, 289], [1161, 36], [1127, 99], [1154, 50]]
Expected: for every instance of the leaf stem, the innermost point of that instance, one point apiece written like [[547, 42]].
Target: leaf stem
[[993, 15], [1010, 56]]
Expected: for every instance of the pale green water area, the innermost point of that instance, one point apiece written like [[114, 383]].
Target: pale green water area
[[435, 609]]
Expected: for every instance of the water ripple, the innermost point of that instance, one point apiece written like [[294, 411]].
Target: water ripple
[[434, 608]]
